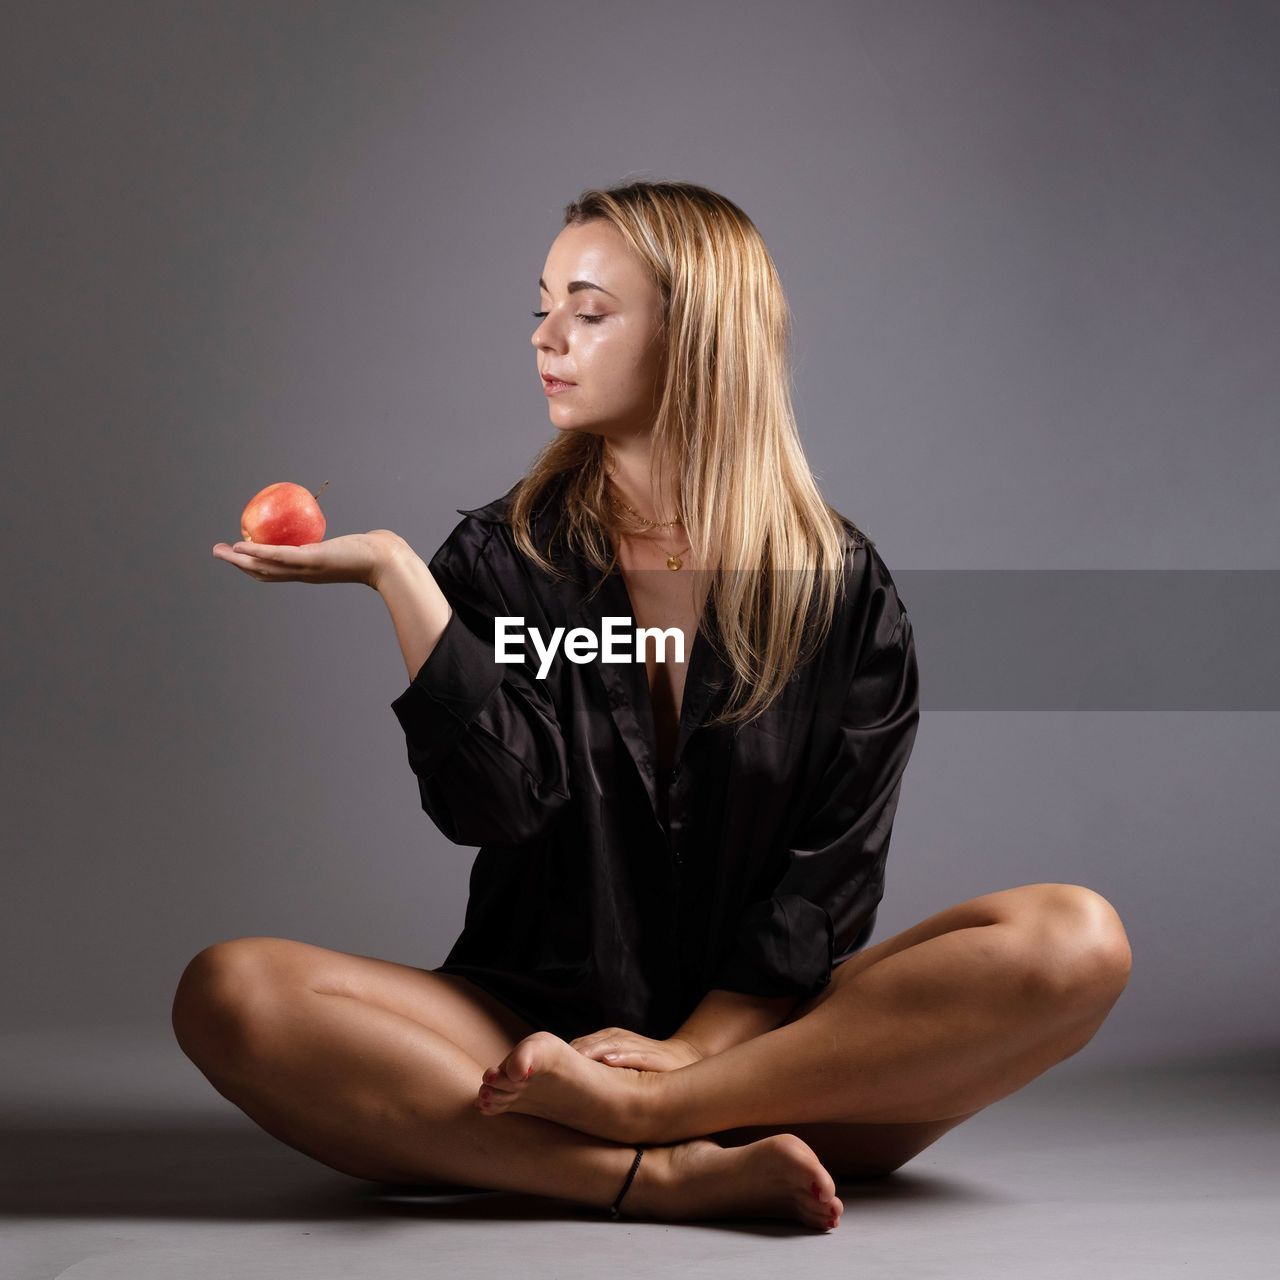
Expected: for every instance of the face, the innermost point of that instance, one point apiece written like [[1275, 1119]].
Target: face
[[600, 330]]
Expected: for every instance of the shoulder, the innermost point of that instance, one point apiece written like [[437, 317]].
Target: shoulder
[[872, 610], [498, 512], [468, 542], [484, 533], [864, 568], [494, 512], [853, 535]]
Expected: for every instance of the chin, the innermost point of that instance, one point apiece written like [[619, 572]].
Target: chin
[[588, 428]]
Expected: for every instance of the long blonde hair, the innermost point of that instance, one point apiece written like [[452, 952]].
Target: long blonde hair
[[724, 430]]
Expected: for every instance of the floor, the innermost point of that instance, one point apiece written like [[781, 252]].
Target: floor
[[120, 1161]]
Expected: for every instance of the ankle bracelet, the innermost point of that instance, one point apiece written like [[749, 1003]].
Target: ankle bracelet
[[635, 1164]]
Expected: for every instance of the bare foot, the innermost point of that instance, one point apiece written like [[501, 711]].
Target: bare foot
[[545, 1076], [775, 1177]]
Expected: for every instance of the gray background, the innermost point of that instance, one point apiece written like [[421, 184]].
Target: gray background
[[1031, 253]]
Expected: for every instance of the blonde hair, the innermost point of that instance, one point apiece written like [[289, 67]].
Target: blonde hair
[[725, 432]]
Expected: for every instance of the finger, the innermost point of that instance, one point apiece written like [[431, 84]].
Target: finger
[[622, 1056], [223, 552], [278, 554], [255, 567], [236, 554]]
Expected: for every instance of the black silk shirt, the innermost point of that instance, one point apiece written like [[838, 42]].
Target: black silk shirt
[[605, 893]]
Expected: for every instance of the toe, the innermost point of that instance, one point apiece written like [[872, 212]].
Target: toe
[[824, 1205], [526, 1059], [836, 1209], [496, 1082]]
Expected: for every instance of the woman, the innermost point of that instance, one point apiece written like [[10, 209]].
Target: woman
[[663, 995]]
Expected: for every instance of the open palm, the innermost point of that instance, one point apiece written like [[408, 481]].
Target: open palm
[[353, 557]]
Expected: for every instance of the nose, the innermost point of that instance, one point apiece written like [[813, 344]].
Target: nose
[[542, 336]]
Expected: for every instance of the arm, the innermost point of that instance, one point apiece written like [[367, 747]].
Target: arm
[[823, 907], [419, 609], [727, 1018], [482, 736]]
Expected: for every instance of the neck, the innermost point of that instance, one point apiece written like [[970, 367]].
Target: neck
[[627, 464]]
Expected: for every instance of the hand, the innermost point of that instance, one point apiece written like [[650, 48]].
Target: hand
[[354, 557], [637, 1051]]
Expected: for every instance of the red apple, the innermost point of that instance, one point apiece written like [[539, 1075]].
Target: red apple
[[283, 515]]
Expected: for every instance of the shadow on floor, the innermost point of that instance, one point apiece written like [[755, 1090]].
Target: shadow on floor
[[72, 1158], [222, 1170]]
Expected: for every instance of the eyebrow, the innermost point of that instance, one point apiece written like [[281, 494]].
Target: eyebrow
[[575, 285]]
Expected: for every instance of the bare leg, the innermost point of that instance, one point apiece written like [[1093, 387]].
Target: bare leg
[[378, 1095], [938, 1029], [967, 1007]]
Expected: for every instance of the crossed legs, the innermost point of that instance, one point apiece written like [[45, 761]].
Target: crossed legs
[[371, 1067], [927, 1027], [333, 1055]]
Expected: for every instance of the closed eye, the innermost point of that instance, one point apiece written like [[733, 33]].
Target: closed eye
[[590, 319]]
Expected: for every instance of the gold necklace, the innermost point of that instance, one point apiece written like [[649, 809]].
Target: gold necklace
[[674, 559]]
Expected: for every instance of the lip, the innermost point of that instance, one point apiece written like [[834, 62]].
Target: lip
[[553, 386]]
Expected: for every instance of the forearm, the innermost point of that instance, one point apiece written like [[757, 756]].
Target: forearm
[[418, 608], [727, 1018]]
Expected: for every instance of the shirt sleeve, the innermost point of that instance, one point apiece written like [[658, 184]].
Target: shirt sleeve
[[482, 736], [823, 908]]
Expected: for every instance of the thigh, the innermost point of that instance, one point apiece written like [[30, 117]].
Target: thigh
[[989, 908], [447, 1003], [875, 1150]]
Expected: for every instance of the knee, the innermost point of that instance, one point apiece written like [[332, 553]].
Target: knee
[[1073, 947], [219, 995]]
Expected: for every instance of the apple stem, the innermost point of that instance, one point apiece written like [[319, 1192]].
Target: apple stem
[[321, 489]]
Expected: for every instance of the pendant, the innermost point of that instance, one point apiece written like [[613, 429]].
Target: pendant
[[674, 562]]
